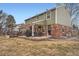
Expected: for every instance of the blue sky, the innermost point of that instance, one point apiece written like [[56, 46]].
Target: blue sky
[[22, 11]]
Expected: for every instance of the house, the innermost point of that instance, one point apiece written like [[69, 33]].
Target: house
[[55, 22], [19, 29]]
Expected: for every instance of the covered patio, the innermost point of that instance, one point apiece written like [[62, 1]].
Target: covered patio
[[40, 28]]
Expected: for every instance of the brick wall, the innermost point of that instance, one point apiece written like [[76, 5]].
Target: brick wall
[[59, 31]]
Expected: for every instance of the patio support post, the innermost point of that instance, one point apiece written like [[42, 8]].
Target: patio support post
[[33, 29], [46, 25]]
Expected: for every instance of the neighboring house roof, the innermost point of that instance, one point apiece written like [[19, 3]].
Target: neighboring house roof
[[40, 14], [21, 26]]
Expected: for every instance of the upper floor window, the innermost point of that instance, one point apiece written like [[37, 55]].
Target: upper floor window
[[48, 14], [37, 17]]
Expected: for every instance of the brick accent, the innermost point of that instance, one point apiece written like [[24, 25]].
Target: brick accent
[[59, 30]]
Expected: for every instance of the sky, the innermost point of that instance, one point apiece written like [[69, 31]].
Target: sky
[[22, 11]]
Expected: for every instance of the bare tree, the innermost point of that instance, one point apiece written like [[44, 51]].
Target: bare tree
[[6, 21], [3, 17], [73, 9], [74, 13], [10, 23]]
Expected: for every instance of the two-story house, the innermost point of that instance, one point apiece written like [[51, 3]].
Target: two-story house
[[55, 22]]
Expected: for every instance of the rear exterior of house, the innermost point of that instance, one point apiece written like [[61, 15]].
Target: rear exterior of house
[[56, 21], [62, 26], [39, 18]]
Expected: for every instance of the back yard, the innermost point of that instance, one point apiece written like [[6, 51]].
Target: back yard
[[22, 47]]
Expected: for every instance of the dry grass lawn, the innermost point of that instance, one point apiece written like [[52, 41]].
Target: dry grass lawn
[[24, 47]]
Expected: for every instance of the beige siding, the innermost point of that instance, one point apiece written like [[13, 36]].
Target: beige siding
[[63, 16], [50, 20]]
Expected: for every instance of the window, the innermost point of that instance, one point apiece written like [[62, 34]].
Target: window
[[37, 17], [48, 15]]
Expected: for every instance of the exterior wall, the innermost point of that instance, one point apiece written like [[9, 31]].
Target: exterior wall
[[37, 18], [60, 31], [50, 20], [59, 20], [62, 16], [58, 16], [40, 17]]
